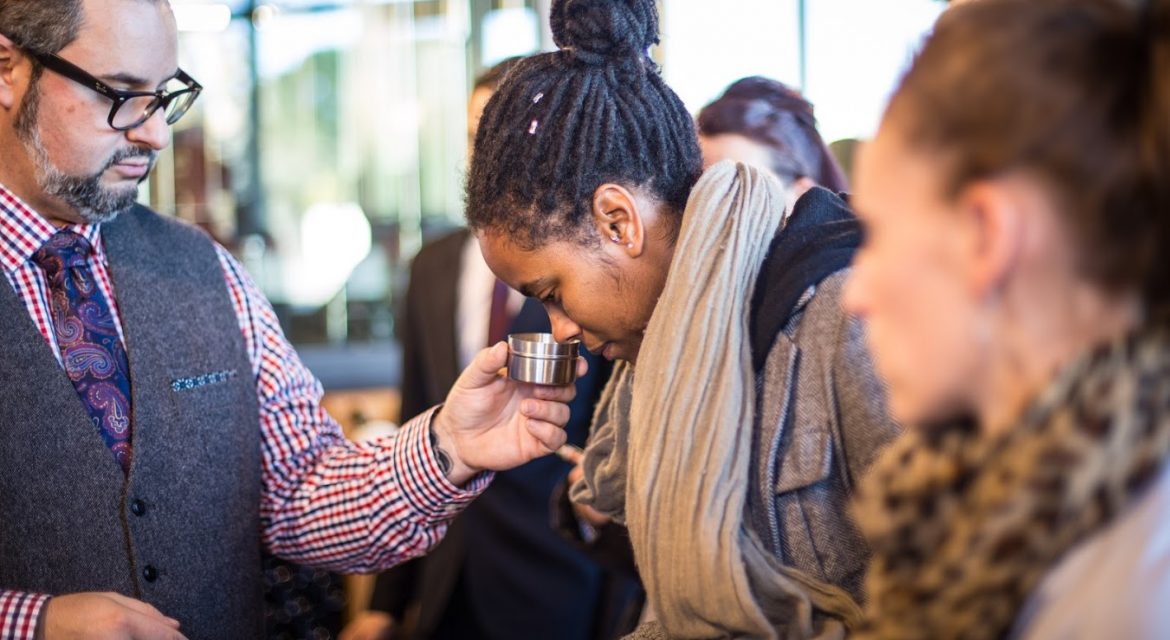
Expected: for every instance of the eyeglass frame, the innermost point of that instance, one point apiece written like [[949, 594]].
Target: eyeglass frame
[[66, 69]]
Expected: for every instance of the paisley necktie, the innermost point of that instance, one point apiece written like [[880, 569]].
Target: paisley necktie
[[93, 355]]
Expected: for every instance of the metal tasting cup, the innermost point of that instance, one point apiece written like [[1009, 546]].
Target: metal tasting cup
[[537, 358]]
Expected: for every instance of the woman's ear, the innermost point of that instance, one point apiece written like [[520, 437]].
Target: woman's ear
[[996, 214], [618, 219]]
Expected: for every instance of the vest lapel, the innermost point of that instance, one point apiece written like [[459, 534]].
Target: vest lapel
[[25, 348]]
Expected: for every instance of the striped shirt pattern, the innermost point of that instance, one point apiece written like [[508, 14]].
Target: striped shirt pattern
[[328, 502]]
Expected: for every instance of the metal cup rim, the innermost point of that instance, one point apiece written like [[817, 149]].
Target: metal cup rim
[[542, 345]]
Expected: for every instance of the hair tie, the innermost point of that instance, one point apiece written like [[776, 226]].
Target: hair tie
[[588, 57]]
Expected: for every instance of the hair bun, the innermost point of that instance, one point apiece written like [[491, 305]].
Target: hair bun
[[601, 31]]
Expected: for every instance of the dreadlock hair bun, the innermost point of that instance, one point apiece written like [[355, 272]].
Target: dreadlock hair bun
[[564, 123], [597, 32]]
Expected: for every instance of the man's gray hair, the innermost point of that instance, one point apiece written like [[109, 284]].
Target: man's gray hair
[[47, 26]]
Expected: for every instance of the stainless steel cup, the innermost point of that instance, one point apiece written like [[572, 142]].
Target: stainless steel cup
[[538, 358]]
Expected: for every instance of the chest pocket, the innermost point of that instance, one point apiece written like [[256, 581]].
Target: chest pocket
[[202, 395], [815, 533], [209, 405], [807, 460]]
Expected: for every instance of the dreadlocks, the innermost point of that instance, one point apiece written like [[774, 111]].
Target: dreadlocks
[[564, 123]]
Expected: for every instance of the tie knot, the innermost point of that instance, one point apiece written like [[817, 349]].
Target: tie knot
[[66, 249]]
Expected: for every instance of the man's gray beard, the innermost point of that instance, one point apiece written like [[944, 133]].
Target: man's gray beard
[[94, 203]]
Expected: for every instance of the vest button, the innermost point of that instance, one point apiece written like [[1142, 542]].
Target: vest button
[[150, 573], [138, 507]]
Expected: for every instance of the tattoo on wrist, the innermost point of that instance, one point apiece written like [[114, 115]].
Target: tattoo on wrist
[[440, 455]]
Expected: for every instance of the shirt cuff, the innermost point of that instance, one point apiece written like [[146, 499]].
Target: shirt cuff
[[422, 479], [18, 614]]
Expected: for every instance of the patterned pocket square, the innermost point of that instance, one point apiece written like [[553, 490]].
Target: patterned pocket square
[[194, 382]]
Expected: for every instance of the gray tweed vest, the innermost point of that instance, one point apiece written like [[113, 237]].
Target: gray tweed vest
[[182, 532]]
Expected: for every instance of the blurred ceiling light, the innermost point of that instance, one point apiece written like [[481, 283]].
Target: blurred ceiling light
[[263, 15], [202, 17], [335, 237]]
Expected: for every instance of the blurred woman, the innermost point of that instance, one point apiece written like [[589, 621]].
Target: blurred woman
[[761, 121], [744, 406], [1017, 206]]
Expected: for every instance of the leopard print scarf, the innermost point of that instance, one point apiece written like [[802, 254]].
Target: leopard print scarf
[[964, 526]]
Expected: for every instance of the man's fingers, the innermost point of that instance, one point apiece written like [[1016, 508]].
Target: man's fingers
[[549, 435], [142, 608], [554, 412], [554, 394], [143, 626], [485, 369]]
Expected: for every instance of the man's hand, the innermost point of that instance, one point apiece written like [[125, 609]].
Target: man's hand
[[493, 422], [369, 625], [105, 616]]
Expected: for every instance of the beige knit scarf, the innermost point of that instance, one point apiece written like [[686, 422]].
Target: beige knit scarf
[[670, 449], [964, 526]]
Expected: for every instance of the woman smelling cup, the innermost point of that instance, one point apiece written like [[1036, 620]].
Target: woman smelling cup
[[743, 407]]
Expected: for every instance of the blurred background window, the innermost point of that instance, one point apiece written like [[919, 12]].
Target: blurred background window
[[330, 138]]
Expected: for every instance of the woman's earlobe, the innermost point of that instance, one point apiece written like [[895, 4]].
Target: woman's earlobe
[[615, 214], [996, 213]]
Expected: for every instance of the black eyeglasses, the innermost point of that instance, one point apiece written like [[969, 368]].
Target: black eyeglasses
[[130, 108]]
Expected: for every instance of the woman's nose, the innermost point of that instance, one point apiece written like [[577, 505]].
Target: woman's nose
[[563, 328]]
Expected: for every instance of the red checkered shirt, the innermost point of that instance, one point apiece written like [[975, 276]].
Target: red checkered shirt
[[328, 502]]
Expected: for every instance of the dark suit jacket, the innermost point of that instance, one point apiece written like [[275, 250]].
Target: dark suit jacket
[[501, 571]]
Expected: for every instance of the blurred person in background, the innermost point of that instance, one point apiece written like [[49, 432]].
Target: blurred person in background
[[735, 499], [501, 571], [158, 429], [1016, 201], [764, 122]]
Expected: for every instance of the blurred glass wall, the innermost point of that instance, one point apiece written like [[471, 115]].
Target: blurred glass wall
[[330, 139]]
